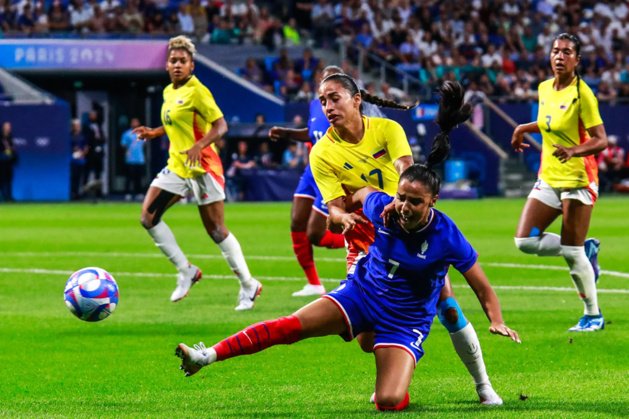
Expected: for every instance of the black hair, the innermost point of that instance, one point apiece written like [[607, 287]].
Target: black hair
[[452, 112], [576, 43], [351, 86], [423, 174]]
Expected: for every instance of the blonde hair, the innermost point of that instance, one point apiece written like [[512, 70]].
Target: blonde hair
[[182, 42]]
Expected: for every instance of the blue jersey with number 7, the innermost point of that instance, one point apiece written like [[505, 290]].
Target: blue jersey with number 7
[[406, 270]]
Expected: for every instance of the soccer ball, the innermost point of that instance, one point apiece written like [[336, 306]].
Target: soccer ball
[[91, 294]]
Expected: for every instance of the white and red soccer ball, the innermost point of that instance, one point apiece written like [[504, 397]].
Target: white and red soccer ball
[[91, 294]]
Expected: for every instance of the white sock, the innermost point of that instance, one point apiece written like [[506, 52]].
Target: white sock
[[548, 244], [165, 240], [233, 255], [582, 275], [468, 348]]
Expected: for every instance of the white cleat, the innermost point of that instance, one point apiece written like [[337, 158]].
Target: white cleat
[[185, 280], [372, 399], [309, 290], [487, 395], [248, 296], [193, 359]]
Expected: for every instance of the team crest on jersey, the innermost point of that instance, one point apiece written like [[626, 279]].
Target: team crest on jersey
[[423, 249]]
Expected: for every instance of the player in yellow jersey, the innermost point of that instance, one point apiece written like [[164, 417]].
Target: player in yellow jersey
[[359, 151], [572, 133], [193, 123]]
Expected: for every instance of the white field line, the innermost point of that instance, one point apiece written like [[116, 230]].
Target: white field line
[[274, 258], [299, 279]]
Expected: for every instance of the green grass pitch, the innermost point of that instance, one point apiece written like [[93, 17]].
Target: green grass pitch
[[53, 365]]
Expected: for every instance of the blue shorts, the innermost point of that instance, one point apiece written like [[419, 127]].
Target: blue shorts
[[308, 189], [362, 313]]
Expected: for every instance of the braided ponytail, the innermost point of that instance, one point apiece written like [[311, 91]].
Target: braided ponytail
[[452, 112], [384, 103]]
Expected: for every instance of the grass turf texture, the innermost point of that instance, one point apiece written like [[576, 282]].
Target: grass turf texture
[[56, 365]]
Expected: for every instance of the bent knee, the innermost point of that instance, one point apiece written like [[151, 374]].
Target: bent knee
[[218, 233], [452, 315], [528, 245], [314, 237], [366, 341], [147, 221]]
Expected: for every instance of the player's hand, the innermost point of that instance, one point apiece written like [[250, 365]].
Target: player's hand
[[144, 133], [502, 329], [276, 133], [350, 220], [388, 213], [517, 141], [563, 153], [194, 156], [334, 228]]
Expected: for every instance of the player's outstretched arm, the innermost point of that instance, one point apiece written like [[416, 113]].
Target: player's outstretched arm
[[340, 217], [146, 133], [517, 140], [281, 133], [489, 301]]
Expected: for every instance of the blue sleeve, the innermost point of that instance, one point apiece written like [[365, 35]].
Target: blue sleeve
[[374, 204], [460, 252], [126, 139]]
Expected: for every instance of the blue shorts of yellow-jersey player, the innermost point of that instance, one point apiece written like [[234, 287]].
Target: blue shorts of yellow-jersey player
[[393, 328], [307, 188]]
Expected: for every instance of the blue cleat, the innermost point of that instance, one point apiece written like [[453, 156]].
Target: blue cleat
[[589, 323], [592, 247]]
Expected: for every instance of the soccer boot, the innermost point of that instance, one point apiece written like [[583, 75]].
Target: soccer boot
[[185, 280], [487, 395], [247, 296], [193, 359], [589, 323], [309, 290], [592, 247]]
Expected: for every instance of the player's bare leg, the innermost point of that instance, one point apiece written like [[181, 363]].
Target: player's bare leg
[[213, 216], [155, 204], [319, 318], [465, 343], [394, 368]]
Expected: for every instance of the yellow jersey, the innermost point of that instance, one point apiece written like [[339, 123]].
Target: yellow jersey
[[187, 115], [340, 167], [564, 119]]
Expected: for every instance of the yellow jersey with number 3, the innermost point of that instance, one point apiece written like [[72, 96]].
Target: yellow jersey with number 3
[[340, 167], [187, 115], [564, 119]]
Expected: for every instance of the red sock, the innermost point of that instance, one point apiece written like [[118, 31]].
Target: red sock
[[332, 241], [256, 338], [303, 251], [400, 406]]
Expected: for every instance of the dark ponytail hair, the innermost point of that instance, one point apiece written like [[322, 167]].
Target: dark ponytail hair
[[576, 43], [452, 112], [351, 86]]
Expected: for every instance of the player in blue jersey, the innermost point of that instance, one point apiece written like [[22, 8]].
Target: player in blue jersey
[[309, 211], [393, 291]]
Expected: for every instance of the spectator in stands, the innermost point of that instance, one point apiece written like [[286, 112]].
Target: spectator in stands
[[240, 161], [261, 24], [252, 72], [224, 33], [291, 32], [264, 158], [322, 16], [185, 19], [606, 92], [98, 23], [96, 141], [134, 161], [305, 93], [199, 21], [172, 25], [8, 158], [610, 164], [293, 158], [80, 17], [58, 18], [132, 20], [79, 149], [273, 37], [156, 24]]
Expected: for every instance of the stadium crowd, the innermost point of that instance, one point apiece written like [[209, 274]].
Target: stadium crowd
[[496, 48]]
